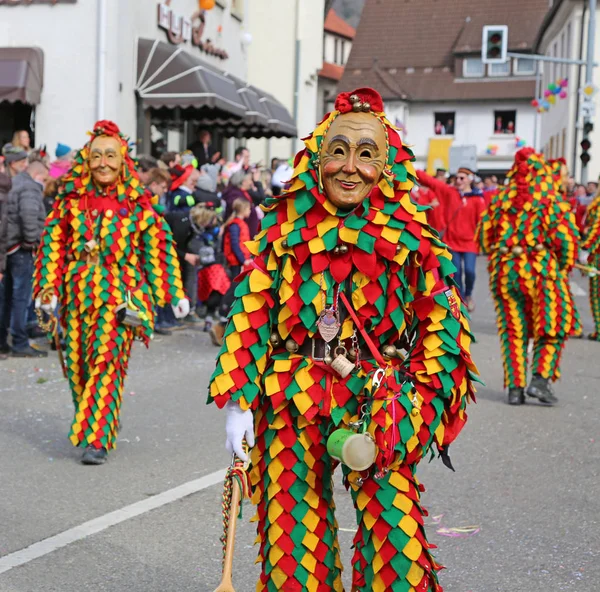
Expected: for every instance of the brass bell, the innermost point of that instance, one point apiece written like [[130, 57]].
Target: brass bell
[[275, 339], [503, 250], [336, 250], [414, 412], [354, 98], [328, 359], [284, 243], [539, 247], [292, 346], [517, 250], [343, 249], [389, 351], [357, 106], [352, 355], [398, 248], [366, 106]]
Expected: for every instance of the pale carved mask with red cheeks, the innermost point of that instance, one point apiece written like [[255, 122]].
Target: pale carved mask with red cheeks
[[353, 157], [105, 160]]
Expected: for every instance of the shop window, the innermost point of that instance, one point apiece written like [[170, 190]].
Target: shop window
[[444, 123], [473, 67], [499, 69], [505, 122], [524, 67]]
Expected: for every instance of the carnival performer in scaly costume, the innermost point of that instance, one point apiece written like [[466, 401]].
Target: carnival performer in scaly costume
[[347, 276], [106, 259], [590, 257], [530, 236]]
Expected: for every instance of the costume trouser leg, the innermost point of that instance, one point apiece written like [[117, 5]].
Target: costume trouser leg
[[391, 551], [595, 302], [512, 309], [546, 356], [292, 487], [291, 478], [97, 355]]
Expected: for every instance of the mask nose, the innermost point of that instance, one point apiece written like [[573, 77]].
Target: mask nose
[[350, 166]]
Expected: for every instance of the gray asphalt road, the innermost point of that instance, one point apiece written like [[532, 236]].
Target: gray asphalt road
[[528, 478]]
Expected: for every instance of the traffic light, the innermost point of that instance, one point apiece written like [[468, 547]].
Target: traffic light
[[494, 44], [585, 151]]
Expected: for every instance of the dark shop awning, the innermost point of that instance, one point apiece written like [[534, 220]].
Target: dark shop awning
[[169, 77], [21, 74]]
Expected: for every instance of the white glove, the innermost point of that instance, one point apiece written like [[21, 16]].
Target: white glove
[[239, 424], [181, 309], [583, 257], [48, 307]]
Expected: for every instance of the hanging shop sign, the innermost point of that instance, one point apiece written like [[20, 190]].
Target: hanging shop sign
[[181, 29]]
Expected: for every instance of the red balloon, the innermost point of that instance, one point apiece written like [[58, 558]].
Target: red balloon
[[206, 4], [535, 103]]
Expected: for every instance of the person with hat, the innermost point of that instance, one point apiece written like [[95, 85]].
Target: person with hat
[[106, 260], [530, 235], [183, 183], [347, 329], [462, 206], [15, 159], [5, 186], [63, 162]]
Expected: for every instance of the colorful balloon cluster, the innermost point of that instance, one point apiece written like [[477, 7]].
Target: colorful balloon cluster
[[491, 149], [520, 142], [558, 88]]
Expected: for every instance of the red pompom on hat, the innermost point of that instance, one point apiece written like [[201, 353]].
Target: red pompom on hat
[[179, 175], [523, 154], [361, 99], [106, 128]]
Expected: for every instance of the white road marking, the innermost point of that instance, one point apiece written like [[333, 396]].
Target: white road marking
[[77, 533]]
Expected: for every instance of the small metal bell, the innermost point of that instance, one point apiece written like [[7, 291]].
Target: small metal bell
[[284, 243], [539, 247], [328, 359], [292, 346], [354, 98], [503, 250], [517, 250], [414, 412], [343, 249], [356, 107], [398, 248], [352, 355], [336, 250], [389, 351], [366, 106], [275, 339]]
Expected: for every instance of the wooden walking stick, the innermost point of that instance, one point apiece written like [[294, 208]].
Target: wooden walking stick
[[235, 489]]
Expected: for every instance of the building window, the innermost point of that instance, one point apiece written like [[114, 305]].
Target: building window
[[336, 51], [499, 69], [524, 67], [237, 9], [342, 52], [443, 124], [505, 122], [473, 67]]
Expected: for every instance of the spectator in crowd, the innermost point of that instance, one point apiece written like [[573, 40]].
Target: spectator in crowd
[[170, 159], [439, 129], [490, 187], [206, 186], [571, 187], [275, 162], [50, 193], [5, 185], [26, 215], [183, 184], [145, 163], [591, 191], [451, 181], [21, 139], [242, 157], [463, 206], [15, 159], [426, 197], [213, 281], [244, 186], [63, 162], [281, 176], [157, 182], [235, 234], [203, 149], [441, 174], [181, 227]]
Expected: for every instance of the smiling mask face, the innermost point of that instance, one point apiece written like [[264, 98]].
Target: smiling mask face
[[105, 160], [353, 158]]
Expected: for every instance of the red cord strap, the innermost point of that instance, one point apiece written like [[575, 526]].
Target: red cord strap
[[376, 354]]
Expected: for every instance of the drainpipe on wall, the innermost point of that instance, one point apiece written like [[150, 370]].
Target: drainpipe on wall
[[577, 95], [296, 72], [101, 58]]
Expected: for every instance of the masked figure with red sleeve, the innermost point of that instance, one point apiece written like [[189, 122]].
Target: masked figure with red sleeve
[[463, 206]]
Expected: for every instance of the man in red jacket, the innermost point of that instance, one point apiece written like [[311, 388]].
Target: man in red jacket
[[462, 207]]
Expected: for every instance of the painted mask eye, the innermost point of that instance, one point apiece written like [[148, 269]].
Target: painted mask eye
[[366, 153], [339, 151]]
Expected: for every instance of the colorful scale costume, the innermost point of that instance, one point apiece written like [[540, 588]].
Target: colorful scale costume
[[530, 236], [397, 274], [591, 243], [134, 255]]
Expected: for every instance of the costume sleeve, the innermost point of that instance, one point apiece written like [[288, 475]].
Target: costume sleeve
[[563, 235], [485, 234], [244, 355], [591, 241], [159, 259], [50, 260], [3, 235], [438, 363]]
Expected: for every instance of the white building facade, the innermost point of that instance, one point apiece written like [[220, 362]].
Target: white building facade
[[92, 67]]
